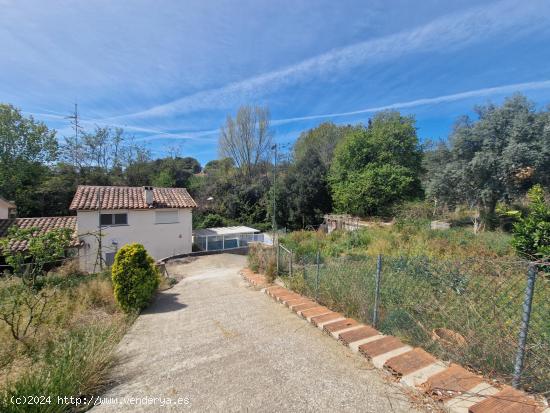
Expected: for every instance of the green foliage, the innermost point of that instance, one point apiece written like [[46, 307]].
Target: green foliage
[[377, 166], [25, 147], [321, 140], [211, 221], [495, 158], [163, 180], [41, 175], [304, 193], [405, 237], [135, 277], [224, 192], [532, 232], [42, 250]]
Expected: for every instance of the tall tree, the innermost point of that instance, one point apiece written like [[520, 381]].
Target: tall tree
[[497, 157], [26, 146], [322, 140], [247, 138], [308, 197], [376, 166]]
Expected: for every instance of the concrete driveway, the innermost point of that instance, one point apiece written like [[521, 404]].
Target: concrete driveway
[[211, 343]]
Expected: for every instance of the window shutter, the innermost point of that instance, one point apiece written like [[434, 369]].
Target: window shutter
[[166, 217]]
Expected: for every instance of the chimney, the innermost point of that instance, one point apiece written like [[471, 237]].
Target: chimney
[[148, 195]]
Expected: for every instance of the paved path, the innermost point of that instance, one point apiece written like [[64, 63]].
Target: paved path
[[226, 347]]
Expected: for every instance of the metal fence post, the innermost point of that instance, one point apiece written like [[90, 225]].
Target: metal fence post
[[526, 315], [290, 263], [277, 254], [317, 275], [377, 290]]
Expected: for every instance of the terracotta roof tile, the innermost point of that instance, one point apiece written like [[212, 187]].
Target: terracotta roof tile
[[43, 224], [126, 197]]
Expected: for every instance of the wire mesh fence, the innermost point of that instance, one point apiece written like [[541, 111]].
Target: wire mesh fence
[[471, 312]]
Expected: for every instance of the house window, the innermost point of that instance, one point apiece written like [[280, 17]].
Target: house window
[[166, 217], [113, 219]]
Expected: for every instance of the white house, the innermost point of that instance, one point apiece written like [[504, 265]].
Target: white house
[[109, 217], [7, 209]]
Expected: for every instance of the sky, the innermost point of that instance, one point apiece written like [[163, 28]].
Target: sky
[[170, 71]]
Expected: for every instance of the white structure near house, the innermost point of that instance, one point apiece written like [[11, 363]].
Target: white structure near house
[[225, 238], [7, 209], [109, 217]]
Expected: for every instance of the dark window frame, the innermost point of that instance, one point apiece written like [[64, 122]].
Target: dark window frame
[[121, 217]]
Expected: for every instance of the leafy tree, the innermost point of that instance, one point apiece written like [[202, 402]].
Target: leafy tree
[[532, 232], [164, 179], [322, 140], [308, 197], [495, 158], [218, 166], [377, 166], [57, 190], [25, 147]]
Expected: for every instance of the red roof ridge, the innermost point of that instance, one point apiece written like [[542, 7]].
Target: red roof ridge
[[87, 197]]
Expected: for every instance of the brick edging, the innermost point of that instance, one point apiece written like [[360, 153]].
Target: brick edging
[[459, 390]]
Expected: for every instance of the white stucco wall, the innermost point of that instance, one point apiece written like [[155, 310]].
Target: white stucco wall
[[4, 209], [160, 240], [4, 212]]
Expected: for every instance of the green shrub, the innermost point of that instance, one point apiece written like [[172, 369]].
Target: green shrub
[[135, 277], [532, 232]]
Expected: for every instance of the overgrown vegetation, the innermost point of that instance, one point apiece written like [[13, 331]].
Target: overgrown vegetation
[[465, 311], [405, 237], [67, 333], [261, 258], [40, 251], [58, 329], [457, 294]]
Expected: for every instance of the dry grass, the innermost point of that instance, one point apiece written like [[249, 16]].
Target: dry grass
[[72, 349]]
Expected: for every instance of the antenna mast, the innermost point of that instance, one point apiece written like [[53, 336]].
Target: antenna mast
[[74, 119]]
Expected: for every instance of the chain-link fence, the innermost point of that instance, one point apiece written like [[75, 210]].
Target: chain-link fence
[[493, 316]]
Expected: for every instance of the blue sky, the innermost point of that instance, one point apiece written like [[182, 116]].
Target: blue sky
[[169, 72]]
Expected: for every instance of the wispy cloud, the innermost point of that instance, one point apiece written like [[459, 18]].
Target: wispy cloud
[[443, 34], [490, 91], [154, 134]]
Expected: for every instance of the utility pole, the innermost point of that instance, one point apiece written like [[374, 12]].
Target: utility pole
[[99, 257], [274, 221]]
